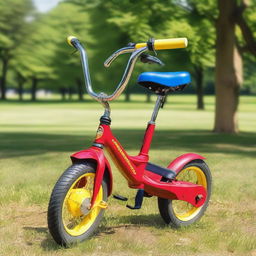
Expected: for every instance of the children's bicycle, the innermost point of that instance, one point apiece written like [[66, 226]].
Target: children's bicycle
[[80, 196]]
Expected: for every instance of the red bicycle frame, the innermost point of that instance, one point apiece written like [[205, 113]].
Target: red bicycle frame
[[133, 168]]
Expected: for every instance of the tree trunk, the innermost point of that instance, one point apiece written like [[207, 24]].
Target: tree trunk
[[3, 78], [199, 72], [70, 93], [20, 90], [228, 70], [21, 81], [34, 88], [80, 89], [63, 93]]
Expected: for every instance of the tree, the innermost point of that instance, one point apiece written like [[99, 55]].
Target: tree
[[229, 63], [67, 67], [12, 32], [32, 58], [228, 69]]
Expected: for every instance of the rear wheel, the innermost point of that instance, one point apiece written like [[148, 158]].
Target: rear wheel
[[179, 213], [69, 218]]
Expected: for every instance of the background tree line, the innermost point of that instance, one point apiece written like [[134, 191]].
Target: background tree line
[[222, 49]]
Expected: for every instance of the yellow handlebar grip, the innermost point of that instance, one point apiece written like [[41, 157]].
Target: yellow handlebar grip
[[173, 43], [69, 39], [140, 45], [165, 44]]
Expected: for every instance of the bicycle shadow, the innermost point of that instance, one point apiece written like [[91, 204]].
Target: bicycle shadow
[[128, 222], [48, 244]]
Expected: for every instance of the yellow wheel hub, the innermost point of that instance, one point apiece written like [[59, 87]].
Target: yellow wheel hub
[[77, 217], [78, 197], [184, 210]]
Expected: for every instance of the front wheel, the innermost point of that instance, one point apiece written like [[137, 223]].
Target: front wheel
[[69, 218], [179, 213]]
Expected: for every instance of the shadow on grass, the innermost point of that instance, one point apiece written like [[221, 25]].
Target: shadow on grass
[[129, 222], [48, 244], [37, 229], [24, 144]]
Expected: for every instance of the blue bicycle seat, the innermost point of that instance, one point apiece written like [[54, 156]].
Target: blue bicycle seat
[[161, 82]]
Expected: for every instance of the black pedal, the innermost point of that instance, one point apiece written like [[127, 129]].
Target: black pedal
[[122, 198], [138, 200]]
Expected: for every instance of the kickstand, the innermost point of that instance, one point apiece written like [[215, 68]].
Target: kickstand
[[138, 200]]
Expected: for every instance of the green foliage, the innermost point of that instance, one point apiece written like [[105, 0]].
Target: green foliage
[[141, 19], [66, 19], [13, 24], [37, 42], [14, 29], [32, 57], [205, 8], [249, 85], [45, 54]]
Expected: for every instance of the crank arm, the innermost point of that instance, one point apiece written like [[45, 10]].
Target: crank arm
[[138, 200]]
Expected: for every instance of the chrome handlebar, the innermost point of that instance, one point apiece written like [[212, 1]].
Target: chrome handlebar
[[102, 97], [111, 58]]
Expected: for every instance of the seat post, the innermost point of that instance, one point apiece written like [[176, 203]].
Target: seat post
[[151, 127], [159, 103]]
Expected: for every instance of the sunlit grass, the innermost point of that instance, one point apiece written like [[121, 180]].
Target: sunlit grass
[[36, 140]]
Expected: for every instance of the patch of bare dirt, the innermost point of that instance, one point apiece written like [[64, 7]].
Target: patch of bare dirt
[[27, 215], [130, 233]]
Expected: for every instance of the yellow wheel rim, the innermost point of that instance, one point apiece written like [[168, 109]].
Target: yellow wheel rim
[[76, 216], [183, 210]]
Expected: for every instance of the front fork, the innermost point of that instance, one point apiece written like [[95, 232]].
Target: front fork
[[103, 168]]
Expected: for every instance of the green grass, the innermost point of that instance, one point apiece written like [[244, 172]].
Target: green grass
[[36, 140]]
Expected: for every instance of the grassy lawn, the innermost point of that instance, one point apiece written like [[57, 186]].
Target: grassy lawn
[[36, 140]]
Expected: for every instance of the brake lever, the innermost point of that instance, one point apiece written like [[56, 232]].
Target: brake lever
[[146, 58]]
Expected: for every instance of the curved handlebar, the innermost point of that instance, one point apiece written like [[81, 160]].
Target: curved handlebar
[[135, 49], [102, 97]]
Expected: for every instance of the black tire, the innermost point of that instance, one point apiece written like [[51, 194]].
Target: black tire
[[55, 218], [166, 206]]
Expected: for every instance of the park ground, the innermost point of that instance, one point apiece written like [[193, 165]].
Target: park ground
[[36, 140]]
